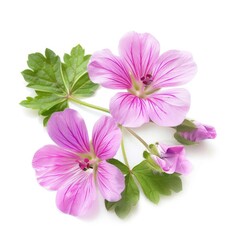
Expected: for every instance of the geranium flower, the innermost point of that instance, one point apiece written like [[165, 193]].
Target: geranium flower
[[202, 132], [76, 166], [143, 72], [171, 159]]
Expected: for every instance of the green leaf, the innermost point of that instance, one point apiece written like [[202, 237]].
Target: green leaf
[[130, 197], [182, 140], [147, 180], [186, 126], [171, 181], [84, 87], [154, 183], [56, 108], [42, 102], [74, 65], [124, 169], [55, 82]]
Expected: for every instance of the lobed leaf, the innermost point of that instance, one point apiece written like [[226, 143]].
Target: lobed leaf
[[55, 82], [130, 197], [155, 183]]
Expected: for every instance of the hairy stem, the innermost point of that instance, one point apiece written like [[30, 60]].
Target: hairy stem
[[88, 104]]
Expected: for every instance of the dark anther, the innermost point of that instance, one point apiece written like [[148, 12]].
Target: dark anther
[[84, 165], [147, 82], [148, 76]]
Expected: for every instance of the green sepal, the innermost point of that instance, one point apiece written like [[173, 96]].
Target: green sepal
[[130, 197], [151, 162], [154, 183], [154, 149], [186, 126], [183, 140]]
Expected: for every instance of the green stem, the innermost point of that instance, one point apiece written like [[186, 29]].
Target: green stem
[[124, 153], [88, 104], [138, 137]]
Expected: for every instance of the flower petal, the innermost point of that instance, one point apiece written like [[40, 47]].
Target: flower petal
[[169, 108], [172, 159], [110, 181], [106, 138], [68, 130], [168, 164], [202, 132], [174, 68], [78, 198], [54, 166], [140, 52], [129, 110], [184, 167], [109, 71]]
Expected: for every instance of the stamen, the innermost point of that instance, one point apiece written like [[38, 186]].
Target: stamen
[[147, 80], [85, 164], [148, 76]]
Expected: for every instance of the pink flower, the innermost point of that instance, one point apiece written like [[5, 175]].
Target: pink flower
[[142, 72], [76, 166], [172, 159], [201, 132]]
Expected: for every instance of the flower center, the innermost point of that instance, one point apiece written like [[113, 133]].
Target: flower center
[[142, 87], [85, 164], [146, 80]]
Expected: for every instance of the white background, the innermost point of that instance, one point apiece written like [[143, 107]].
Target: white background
[[208, 207]]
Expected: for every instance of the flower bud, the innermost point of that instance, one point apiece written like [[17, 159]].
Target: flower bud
[[201, 132], [171, 159]]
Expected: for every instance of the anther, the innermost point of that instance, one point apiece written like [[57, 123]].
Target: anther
[[148, 76], [147, 80], [85, 164]]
